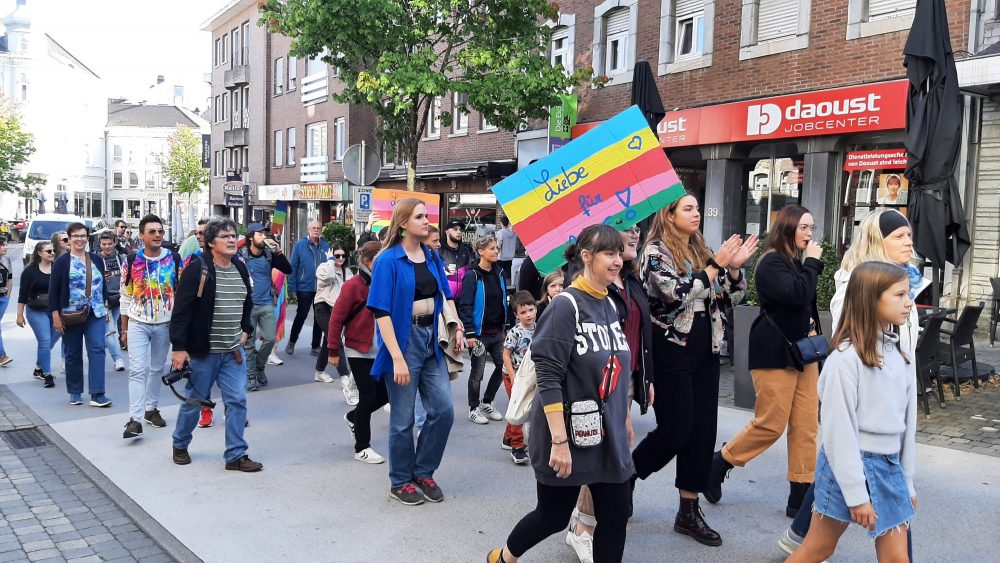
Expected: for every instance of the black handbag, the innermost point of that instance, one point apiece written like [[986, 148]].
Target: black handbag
[[39, 302], [804, 351]]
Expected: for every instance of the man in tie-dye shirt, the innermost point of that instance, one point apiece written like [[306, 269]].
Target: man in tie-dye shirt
[[147, 300]]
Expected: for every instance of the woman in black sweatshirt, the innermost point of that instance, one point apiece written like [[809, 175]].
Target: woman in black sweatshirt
[[786, 278], [33, 304]]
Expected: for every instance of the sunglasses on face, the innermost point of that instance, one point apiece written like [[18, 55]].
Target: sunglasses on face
[[155, 231], [338, 255], [49, 251], [65, 239]]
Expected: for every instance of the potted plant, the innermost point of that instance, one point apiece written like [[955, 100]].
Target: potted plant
[[744, 315]]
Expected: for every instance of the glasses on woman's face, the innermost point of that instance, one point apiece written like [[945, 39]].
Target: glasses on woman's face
[[49, 251], [78, 236], [339, 256], [807, 228], [64, 239]]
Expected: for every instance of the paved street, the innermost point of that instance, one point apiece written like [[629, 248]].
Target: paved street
[[313, 502]]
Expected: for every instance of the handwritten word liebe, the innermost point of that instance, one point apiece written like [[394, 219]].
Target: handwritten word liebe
[[561, 183]]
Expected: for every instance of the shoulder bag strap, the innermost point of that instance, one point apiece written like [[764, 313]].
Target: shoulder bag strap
[[775, 325], [90, 276]]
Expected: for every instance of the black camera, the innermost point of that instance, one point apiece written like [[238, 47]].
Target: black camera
[[174, 376]]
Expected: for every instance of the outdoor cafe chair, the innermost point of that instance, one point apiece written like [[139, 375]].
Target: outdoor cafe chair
[[928, 361], [960, 347]]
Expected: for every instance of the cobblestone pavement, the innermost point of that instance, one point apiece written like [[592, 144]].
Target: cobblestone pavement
[[50, 510], [971, 424]]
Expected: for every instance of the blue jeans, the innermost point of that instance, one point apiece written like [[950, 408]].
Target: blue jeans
[[93, 330], [147, 352], [419, 412], [41, 324], [111, 341], [232, 380], [4, 300], [430, 377]]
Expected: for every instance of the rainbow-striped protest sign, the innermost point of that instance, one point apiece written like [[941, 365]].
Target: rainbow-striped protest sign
[[616, 174]]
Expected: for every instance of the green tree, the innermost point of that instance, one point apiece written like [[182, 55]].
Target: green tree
[[16, 146], [182, 164], [397, 56]]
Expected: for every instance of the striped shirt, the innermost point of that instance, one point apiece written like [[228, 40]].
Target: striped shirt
[[230, 293]]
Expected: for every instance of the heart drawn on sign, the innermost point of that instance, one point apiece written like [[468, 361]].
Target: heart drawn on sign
[[635, 143]]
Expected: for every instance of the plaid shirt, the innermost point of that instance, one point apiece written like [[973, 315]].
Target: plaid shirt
[[674, 291]]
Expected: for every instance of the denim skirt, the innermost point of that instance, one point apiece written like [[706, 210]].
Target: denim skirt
[[886, 488]]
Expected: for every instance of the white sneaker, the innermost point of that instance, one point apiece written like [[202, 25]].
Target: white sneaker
[[350, 390], [322, 377], [476, 415], [488, 410], [119, 365], [274, 360], [583, 545], [369, 455]]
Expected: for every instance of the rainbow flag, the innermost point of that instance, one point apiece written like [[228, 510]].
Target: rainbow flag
[[384, 201], [615, 174], [278, 219]]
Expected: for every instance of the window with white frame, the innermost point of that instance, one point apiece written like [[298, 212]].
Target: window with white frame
[[316, 139], [315, 65], [237, 108], [561, 53], [225, 47], [118, 153], [225, 106], [133, 180], [769, 27], [116, 179], [292, 73], [217, 55], [279, 76], [459, 118], [291, 146], [866, 18], [216, 109], [234, 35], [690, 28], [434, 118], [615, 23], [279, 149], [339, 138], [486, 125], [246, 43]]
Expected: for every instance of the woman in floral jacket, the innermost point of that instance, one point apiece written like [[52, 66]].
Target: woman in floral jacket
[[688, 291]]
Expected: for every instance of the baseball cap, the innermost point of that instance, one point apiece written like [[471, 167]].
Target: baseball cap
[[452, 224], [256, 228]]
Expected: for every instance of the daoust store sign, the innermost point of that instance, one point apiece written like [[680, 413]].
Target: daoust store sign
[[856, 109]]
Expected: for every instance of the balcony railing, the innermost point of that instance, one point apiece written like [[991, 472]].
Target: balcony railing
[[315, 88], [312, 169]]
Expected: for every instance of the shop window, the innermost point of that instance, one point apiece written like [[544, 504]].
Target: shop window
[[685, 34], [773, 26], [614, 39], [773, 180], [134, 209], [477, 212], [118, 208], [866, 18], [872, 179]]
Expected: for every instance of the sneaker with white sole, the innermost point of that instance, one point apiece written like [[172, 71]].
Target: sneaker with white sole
[[582, 544], [274, 360], [350, 390], [476, 415], [119, 365], [369, 455], [322, 377], [789, 542], [489, 411], [349, 423]]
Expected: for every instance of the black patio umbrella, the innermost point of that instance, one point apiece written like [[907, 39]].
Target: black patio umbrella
[[646, 95], [933, 140]]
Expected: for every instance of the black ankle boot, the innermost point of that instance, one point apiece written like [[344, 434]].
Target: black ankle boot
[[691, 522], [716, 475], [795, 495]]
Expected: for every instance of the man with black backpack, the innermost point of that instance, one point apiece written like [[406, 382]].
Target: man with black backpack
[[261, 256], [114, 264], [147, 302]]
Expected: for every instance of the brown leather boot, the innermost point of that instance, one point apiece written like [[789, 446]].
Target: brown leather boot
[[691, 522]]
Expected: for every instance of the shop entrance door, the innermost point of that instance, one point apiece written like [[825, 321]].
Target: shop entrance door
[[772, 179]]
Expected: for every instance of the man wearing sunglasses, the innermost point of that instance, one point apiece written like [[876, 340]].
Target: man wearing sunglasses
[[261, 255], [149, 281]]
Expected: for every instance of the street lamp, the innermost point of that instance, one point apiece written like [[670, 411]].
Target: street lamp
[[246, 197]]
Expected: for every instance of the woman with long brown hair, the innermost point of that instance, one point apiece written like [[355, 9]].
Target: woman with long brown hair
[[413, 291], [33, 305], [688, 289], [786, 279]]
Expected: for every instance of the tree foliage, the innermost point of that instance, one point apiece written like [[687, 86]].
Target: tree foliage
[[182, 164], [396, 56], [16, 147], [338, 232]]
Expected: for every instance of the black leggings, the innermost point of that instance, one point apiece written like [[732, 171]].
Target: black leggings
[[305, 304], [372, 395], [321, 316], [686, 409], [554, 508]]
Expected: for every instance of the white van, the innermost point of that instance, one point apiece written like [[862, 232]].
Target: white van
[[42, 227]]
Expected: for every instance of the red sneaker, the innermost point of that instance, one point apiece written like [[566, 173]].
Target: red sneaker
[[206, 418]]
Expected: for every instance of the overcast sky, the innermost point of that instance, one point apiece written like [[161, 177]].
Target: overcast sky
[[129, 42]]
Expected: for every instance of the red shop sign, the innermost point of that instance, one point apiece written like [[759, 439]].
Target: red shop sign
[[891, 159], [855, 109]]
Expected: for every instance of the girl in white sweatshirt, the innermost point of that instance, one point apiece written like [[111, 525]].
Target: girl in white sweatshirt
[[868, 397]]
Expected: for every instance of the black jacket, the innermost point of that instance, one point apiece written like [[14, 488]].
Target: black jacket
[[191, 320], [786, 289], [642, 377]]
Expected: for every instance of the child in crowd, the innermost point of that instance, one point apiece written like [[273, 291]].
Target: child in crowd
[[515, 346], [868, 398], [551, 286]]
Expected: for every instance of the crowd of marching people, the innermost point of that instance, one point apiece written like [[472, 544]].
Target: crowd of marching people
[[632, 316]]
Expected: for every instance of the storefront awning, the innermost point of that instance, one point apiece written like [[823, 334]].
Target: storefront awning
[[980, 74]]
